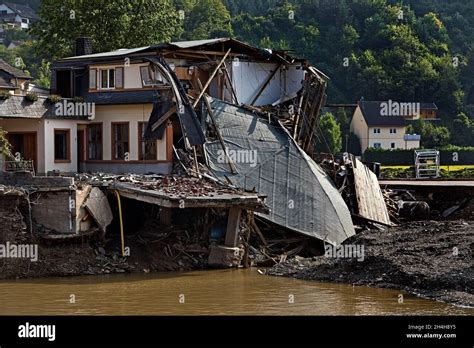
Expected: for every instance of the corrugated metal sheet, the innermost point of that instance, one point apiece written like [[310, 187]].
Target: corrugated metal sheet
[[197, 43], [237, 46], [299, 193], [116, 53], [127, 51]]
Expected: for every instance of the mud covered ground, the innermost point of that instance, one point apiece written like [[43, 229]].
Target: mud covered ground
[[90, 258], [432, 259]]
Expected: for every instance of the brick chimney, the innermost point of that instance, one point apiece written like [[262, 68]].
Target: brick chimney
[[83, 46]]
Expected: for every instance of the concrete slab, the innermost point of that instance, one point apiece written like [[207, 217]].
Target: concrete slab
[[98, 206]]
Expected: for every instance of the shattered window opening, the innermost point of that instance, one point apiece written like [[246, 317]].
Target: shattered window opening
[[150, 76], [94, 141]]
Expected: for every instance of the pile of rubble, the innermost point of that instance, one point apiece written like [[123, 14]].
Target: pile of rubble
[[171, 184]]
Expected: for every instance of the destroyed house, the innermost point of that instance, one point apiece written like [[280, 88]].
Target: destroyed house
[[124, 87], [219, 109]]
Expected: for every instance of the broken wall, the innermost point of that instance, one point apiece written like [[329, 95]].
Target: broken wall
[[299, 193], [56, 202], [52, 211], [249, 77]]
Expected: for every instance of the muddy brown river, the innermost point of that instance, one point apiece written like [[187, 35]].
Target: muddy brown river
[[222, 292]]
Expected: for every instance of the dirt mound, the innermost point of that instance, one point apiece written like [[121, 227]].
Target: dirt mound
[[429, 258]]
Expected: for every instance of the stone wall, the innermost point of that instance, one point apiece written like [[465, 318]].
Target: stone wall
[[27, 179]]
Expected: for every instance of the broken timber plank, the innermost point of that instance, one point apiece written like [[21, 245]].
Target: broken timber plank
[[163, 118], [259, 233], [230, 83], [219, 135], [370, 199], [210, 79], [267, 81]]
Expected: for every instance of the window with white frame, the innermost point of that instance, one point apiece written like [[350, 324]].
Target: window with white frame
[[393, 131], [392, 145], [107, 78], [376, 130], [377, 145]]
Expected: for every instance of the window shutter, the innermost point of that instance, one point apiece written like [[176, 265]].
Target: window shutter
[[119, 78], [93, 78]]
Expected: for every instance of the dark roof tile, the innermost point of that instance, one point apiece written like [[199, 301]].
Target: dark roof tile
[[18, 107], [22, 10], [371, 110], [12, 70]]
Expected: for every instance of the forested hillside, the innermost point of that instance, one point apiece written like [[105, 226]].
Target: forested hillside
[[410, 50]]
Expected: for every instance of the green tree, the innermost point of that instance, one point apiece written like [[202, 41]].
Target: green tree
[[43, 78], [110, 24], [353, 144], [463, 127], [329, 137], [5, 146], [207, 19], [431, 136], [16, 35]]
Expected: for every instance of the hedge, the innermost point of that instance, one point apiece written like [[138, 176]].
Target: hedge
[[406, 157]]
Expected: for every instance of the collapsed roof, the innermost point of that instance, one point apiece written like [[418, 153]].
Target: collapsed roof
[[218, 44], [300, 195]]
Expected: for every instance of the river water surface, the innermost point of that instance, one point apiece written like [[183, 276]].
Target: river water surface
[[221, 292]]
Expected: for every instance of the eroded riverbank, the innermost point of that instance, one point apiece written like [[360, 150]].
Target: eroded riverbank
[[430, 258], [433, 259]]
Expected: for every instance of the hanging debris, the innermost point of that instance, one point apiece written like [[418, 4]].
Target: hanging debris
[[300, 195]]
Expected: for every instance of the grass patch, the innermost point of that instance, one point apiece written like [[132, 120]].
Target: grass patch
[[447, 168]]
